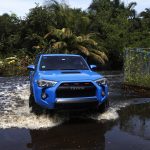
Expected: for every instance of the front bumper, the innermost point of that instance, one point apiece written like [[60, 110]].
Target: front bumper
[[75, 100], [52, 102], [76, 103]]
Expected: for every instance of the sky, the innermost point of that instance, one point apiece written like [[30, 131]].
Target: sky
[[21, 7]]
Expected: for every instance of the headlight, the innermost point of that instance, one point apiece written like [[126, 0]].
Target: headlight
[[46, 83], [102, 81]]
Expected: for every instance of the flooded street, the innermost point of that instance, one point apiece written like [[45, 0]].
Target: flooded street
[[124, 126]]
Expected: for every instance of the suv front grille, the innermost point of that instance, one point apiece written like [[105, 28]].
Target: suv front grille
[[76, 89]]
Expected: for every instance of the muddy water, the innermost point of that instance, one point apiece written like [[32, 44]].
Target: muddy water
[[126, 124]]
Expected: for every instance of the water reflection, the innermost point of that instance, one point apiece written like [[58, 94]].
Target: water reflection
[[87, 134], [131, 128], [75, 134], [135, 119]]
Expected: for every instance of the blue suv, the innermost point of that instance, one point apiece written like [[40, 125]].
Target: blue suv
[[66, 81]]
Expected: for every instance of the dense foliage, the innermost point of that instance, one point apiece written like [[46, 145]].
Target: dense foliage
[[108, 26], [136, 73]]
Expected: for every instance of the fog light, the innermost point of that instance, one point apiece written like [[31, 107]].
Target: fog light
[[103, 93], [44, 95]]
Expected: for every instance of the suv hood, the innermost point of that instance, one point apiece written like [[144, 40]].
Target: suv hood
[[69, 75]]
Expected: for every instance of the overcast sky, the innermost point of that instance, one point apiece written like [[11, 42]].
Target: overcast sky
[[21, 7]]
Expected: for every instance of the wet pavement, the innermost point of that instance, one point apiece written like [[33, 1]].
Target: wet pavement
[[124, 126]]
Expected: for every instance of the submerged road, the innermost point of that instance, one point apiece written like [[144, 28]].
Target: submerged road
[[125, 126]]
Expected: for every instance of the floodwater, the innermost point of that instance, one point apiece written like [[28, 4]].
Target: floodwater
[[124, 126]]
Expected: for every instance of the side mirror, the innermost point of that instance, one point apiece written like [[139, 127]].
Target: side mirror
[[93, 66], [31, 67]]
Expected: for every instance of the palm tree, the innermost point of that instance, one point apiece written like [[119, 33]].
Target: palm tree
[[132, 11], [65, 41], [145, 14], [62, 16]]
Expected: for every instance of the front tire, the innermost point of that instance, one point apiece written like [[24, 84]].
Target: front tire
[[104, 106], [36, 109]]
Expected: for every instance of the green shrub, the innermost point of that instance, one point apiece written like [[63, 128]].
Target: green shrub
[[14, 65]]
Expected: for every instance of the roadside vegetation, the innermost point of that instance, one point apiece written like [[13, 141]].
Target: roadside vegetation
[[101, 33], [137, 67]]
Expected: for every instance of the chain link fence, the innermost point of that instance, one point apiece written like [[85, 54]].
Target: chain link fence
[[137, 67]]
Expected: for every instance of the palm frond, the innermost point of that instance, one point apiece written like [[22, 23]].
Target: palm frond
[[59, 45], [86, 40], [92, 34], [66, 33], [97, 57], [51, 30], [90, 42], [83, 50], [47, 35], [79, 39], [101, 54]]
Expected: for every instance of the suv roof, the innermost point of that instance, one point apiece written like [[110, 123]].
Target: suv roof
[[59, 55]]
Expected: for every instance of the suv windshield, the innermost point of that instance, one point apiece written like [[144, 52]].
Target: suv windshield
[[63, 63]]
